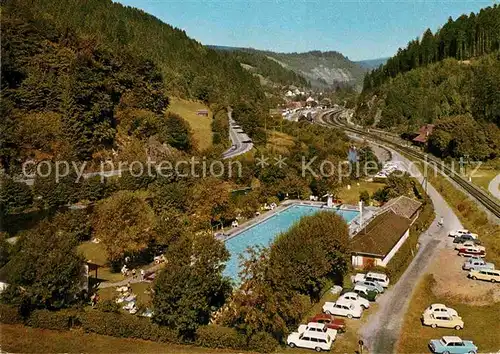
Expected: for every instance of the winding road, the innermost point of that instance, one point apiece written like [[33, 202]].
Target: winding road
[[382, 329], [494, 186], [241, 141]]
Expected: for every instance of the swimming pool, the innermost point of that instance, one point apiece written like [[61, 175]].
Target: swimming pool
[[266, 231]]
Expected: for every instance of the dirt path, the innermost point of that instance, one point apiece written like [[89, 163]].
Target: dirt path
[[381, 331]]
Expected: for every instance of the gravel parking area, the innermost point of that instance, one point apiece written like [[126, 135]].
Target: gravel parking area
[[452, 281]]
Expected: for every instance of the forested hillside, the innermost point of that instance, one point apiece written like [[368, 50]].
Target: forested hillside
[[67, 97], [464, 38], [322, 69], [189, 68], [451, 79], [258, 63], [318, 69]]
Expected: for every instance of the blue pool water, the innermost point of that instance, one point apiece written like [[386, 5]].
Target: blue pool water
[[266, 231]]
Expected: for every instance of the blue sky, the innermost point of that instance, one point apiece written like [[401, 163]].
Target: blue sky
[[363, 29]]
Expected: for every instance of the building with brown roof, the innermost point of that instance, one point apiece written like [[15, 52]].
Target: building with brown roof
[[423, 134], [404, 206], [378, 242]]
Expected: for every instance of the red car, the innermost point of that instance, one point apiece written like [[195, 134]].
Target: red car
[[471, 252], [330, 321]]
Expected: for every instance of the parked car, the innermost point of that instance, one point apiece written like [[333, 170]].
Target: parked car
[[332, 322], [317, 327], [461, 232], [371, 285], [477, 263], [466, 237], [380, 278], [343, 308], [362, 291], [492, 275], [468, 244], [440, 309], [311, 340], [443, 320], [471, 252], [356, 299], [452, 345]]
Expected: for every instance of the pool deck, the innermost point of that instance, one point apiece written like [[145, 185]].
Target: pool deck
[[354, 225]]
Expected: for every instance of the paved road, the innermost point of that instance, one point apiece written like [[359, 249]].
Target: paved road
[[494, 186], [241, 142], [382, 330]]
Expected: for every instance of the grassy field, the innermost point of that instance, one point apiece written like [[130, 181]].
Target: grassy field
[[95, 253], [21, 339], [352, 196], [483, 176], [137, 288], [200, 125], [279, 143], [480, 322]]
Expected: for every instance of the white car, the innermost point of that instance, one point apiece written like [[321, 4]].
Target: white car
[[461, 232], [318, 328], [355, 299], [380, 278], [469, 244], [477, 263], [311, 340], [343, 308], [437, 309]]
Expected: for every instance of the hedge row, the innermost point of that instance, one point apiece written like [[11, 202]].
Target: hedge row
[[10, 315], [123, 325], [219, 337], [126, 326], [58, 320]]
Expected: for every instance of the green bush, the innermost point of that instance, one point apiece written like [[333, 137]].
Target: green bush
[[108, 306], [10, 314], [262, 342], [57, 320], [119, 325], [213, 336]]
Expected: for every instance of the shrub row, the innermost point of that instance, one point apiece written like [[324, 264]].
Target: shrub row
[[57, 320], [213, 336], [126, 326], [10, 315], [122, 325], [219, 337]]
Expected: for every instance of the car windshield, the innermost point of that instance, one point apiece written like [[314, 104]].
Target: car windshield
[[443, 342]]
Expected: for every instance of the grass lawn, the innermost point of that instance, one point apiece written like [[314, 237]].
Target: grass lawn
[[352, 196], [21, 339], [479, 322], [483, 176], [200, 125], [137, 288], [96, 253]]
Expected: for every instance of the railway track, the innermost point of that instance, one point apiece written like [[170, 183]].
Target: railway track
[[489, 202]]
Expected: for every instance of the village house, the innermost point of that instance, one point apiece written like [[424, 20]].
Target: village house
[[423, 134], [378, 242]]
